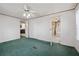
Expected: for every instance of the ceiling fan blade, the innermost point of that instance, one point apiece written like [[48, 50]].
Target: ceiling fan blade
[[32, 11]]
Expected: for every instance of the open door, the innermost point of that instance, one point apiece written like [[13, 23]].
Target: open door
[[23, 29]]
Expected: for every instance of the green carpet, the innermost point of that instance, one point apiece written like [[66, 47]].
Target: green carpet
[[34, 47]]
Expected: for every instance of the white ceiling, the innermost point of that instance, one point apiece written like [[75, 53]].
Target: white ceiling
[[17, 9]]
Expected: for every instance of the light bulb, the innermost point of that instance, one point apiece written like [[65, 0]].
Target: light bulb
[[28, 15], [24, 14]]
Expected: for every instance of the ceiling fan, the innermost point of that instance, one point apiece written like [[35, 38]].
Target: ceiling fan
[[28, 12]]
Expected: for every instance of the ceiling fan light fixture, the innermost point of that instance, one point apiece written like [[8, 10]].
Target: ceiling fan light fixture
[[24, 14], [28, 15]]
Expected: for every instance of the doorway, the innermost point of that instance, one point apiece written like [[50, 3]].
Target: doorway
[[56, 28], [22, 29]]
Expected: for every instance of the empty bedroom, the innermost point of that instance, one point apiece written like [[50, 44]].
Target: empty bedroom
[[39, 29]]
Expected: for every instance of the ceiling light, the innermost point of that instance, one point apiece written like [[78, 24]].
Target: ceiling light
[[28, 15], [28, 12], [24, 14]]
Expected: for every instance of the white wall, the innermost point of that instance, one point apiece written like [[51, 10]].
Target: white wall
[[9, 28], [68, 28], [77, 28], [26, 29], [40, 28]]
